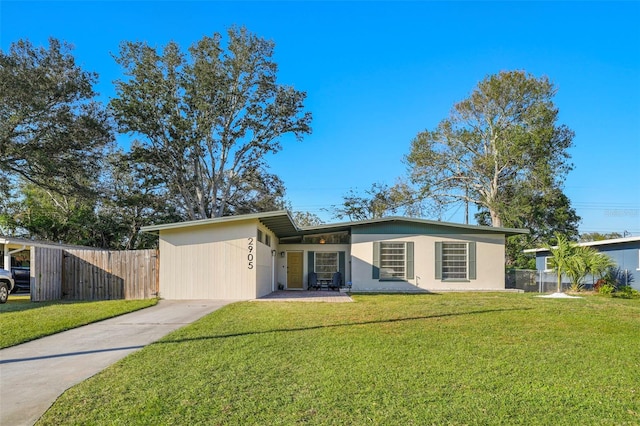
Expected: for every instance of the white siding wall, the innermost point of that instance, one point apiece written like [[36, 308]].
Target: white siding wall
[[208, 262], [264, 264], [281, 262], [489, 261]]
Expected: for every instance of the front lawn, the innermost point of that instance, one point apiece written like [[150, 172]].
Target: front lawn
[[474, 358], [23, 320]]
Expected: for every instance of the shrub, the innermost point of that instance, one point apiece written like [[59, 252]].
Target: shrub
[[606, 288], [619, 277], [627, 292]]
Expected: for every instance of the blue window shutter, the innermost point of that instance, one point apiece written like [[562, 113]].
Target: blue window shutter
[[341, 265], [472, 260], [376, 261], [311, 257], [410, 261], [438, 263]]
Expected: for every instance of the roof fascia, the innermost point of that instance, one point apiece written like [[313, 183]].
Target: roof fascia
[[613, 241], [217, 220], [339, 226]]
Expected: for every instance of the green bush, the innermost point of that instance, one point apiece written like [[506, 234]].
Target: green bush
[[627, 292], [606, 289]]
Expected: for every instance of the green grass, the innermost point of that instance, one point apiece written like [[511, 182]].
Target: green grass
[[23, 320], [477, 359]]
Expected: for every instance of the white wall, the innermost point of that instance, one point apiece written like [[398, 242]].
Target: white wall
[[489, 263], [210, 261], [265, 266]]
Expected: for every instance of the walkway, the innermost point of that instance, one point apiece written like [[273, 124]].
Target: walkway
[[34, 374]]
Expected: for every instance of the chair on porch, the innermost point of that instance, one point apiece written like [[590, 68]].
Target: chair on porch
[[313, 281], [336, 281]]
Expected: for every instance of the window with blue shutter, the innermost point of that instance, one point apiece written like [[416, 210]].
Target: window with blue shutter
[[375, 274], [393, 260], [455, 260], [438, 265]]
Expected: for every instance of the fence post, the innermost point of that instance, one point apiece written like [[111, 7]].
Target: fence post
[[540, 281]]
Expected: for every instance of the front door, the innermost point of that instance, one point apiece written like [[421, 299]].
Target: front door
[[294, 270]]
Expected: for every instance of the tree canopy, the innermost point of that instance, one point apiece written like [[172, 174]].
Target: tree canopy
[[597, 236], [306, 219], [545, 214], [502, 139], [52, 131], [377, 201], [206, 119]]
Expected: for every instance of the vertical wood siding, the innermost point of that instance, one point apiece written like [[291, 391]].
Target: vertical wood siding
[[46, 274], [93, 274]]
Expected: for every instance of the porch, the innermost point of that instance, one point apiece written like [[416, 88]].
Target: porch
[[305, 296]]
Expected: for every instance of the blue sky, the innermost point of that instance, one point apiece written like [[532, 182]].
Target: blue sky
[[377, 73]]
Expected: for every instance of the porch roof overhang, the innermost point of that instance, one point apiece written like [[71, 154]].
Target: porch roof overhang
[[280, 222]]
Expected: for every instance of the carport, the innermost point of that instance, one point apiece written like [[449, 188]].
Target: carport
[[17, 252], [51, 271], [10, 246]]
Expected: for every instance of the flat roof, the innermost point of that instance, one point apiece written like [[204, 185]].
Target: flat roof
[[283, 225], [612, 241], [17, 241]]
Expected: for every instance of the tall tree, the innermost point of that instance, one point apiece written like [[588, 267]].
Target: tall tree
[[377, 201], [49, 215], [307, 219], [545, 214], [132, 197], [207, 119], [52, 131], [597, 236], [504, 137]]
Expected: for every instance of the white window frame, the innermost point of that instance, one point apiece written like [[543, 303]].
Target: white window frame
[[325, 275], [466, 261], [383, 268], [547, 268]]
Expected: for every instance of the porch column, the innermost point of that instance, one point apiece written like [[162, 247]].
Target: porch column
[[7, 257]]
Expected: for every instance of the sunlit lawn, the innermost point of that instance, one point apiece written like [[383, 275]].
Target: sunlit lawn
[[386, 360], [23, 320]]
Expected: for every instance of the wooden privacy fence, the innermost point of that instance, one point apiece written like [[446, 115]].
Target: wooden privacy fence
[[78, 274]]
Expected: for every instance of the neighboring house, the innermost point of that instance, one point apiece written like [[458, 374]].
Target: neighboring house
[[625, 252], [249, 256]]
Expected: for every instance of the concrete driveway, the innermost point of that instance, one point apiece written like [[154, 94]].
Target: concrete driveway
[[34, 374]]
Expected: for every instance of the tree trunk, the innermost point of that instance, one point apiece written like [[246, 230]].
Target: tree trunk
[[496, 220]]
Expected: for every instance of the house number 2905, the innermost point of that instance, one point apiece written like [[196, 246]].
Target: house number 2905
[[250, 254]]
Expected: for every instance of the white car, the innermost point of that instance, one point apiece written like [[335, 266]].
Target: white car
[[6, 285]]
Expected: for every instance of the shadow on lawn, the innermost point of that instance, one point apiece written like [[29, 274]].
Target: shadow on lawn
[[350, 324], [21, 303]]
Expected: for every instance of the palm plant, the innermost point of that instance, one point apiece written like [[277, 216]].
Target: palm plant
[[600, 263], [562, 255], [578, 266], [586, 261]]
